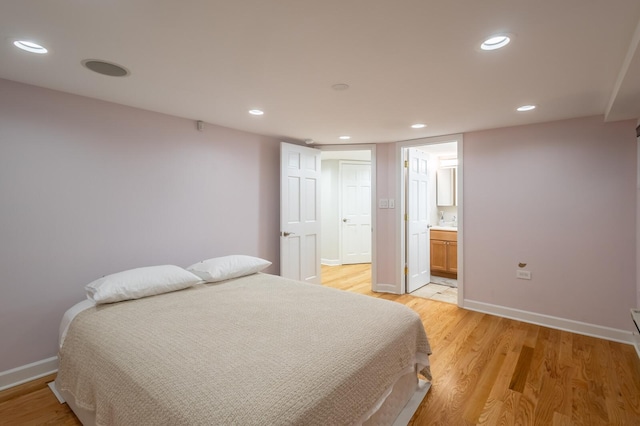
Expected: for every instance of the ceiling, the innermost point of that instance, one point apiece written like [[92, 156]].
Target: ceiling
[[405, 61]]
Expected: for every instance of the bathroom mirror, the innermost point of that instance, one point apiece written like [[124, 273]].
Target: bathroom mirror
[[445, 184]]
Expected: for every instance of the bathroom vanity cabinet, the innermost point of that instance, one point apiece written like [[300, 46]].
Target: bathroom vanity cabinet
[[444, 253]]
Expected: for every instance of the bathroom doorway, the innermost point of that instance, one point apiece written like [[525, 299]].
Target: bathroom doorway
[[435, 250]]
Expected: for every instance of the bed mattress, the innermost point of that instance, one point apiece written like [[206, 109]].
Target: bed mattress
[[255, 350]]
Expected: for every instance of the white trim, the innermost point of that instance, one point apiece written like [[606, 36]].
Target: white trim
[[578, 327], [331, 262], [460, 203], [26, 373]]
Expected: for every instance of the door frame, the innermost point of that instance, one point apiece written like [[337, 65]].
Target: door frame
[[372, 149], [401, 211]]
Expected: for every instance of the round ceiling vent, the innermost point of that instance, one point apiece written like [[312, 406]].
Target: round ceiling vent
[[105, 68]]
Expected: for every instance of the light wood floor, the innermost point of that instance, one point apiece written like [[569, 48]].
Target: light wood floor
[[495, 371], [486, 370]]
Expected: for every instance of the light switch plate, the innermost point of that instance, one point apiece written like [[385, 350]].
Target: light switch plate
[[392, 203], [383, 203]]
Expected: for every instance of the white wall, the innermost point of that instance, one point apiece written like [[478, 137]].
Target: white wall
[[90, 188]]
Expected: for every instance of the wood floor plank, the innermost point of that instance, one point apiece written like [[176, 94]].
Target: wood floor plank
[[40, 407], [562, 420], [486, 370], [25, 388], [521, 371], [566, 369], [480, 396]]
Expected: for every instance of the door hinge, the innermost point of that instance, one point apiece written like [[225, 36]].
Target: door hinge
[[406, 270], [406, 217], [406, 164]]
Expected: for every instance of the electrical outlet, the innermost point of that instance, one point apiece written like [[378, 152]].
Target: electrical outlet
[[523, 275]]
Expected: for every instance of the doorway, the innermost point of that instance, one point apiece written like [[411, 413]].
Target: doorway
[[431, 240], [347, 210]]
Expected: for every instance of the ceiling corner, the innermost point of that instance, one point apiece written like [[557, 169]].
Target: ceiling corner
[[625, 99]]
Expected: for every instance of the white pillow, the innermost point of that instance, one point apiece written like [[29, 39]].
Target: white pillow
[[227, 267], [140, 282]]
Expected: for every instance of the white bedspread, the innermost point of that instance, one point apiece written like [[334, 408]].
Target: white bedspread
[[258, 350]]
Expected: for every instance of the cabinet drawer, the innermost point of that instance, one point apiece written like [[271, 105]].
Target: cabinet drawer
[[444, 235]]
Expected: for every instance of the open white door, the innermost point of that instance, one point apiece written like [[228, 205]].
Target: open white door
[[300, 213], [418, 244], [356, 212]]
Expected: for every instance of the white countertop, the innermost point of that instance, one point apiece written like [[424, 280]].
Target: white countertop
[[444, 228]]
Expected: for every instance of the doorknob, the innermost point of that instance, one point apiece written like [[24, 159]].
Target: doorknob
[[345, 220], [286, 234]]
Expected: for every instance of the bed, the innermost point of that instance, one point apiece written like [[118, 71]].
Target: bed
[[253, 350]]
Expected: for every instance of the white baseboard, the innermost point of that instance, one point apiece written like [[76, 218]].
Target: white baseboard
[[578, 327], [27, 373], [331, 262]]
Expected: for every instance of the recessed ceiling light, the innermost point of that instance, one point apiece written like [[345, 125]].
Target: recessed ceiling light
[[495, 42], [256, 112], [30, 46], [418, 126], [526, 108], [345, 137], [105, 68]]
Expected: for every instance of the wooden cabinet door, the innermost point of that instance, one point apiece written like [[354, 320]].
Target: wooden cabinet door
[[438, 255], [452, 257]]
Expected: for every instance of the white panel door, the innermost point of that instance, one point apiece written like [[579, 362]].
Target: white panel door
[[300, 213], [356, 212], [418, 238]]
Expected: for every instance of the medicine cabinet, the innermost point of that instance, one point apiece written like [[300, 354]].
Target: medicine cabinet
[[446, 186]]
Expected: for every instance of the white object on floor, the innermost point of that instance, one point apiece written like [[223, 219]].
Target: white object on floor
[[52, 386]]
